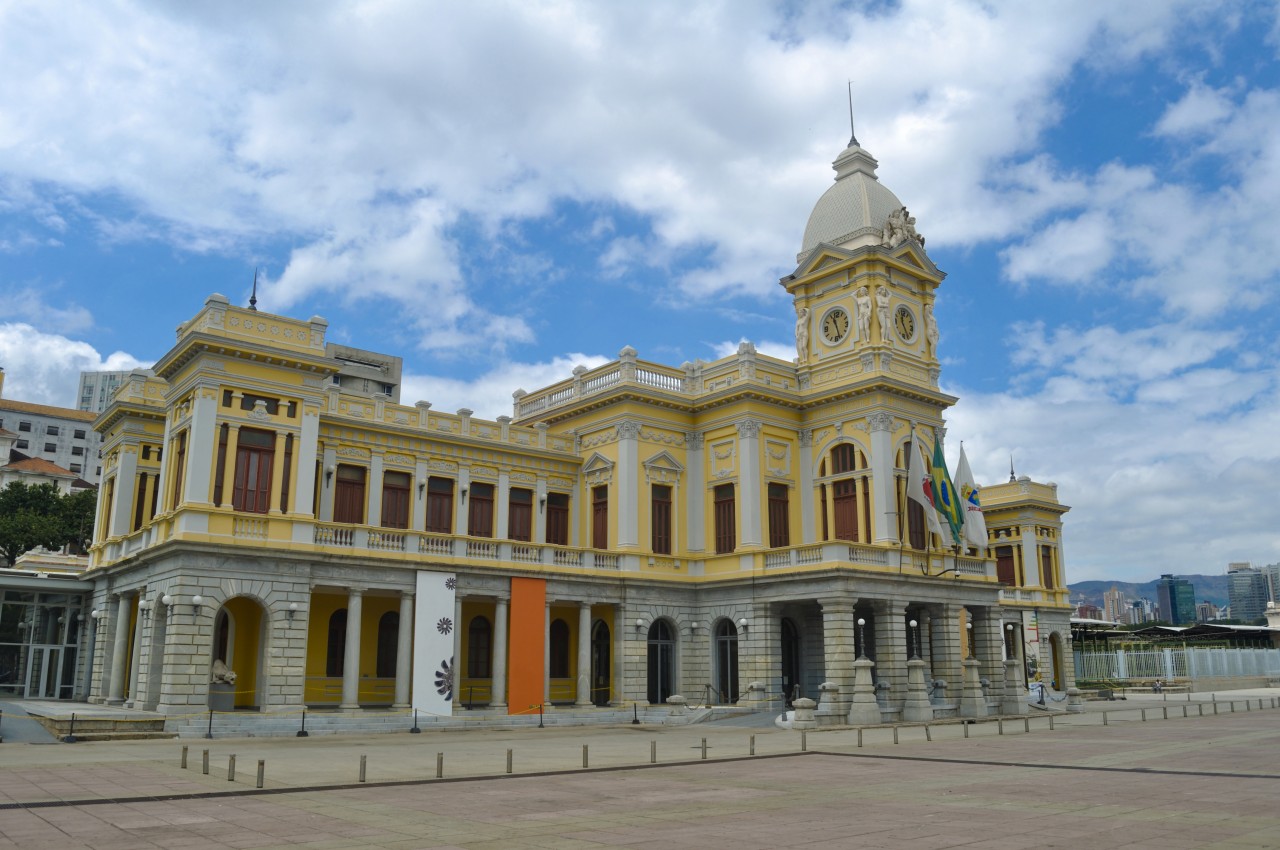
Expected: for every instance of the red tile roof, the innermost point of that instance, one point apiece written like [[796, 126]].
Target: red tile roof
[[47, 410], [40, 466]]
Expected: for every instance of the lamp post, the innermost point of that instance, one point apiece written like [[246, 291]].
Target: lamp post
[[862, 644], [913, 640]]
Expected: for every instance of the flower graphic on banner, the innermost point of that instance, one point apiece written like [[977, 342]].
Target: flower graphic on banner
[[444, 679], [451, 583], [445, 626]]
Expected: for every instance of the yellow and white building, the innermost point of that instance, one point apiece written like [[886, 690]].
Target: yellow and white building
[[736, 530]]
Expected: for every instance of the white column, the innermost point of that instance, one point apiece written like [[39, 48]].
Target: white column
[[808, 527], [498, 698], [460, 512], [329, 462], [115, 694], [404, 651], [304, 472], [540, 514], [374, 516], [546, 655], [457, 650], [200, 456], [502, 510], [351, 657], [695, 496], [420, 477], [750, 484], [883, 483], [628, 485], [277, 477], [584, 654], [126, 485], [1030, 558]]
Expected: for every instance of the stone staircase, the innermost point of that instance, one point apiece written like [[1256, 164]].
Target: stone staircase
[[106, 728]]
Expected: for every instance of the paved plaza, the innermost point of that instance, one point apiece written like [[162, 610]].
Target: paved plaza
[[1206, 780]]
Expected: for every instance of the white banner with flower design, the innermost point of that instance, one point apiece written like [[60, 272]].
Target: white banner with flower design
[[433, 641]]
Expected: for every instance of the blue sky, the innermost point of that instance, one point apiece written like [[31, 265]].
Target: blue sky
[[503, 192]]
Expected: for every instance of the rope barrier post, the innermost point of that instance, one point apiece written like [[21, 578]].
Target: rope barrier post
[[262, 771], [302, 733], [205, 766], [439, 765], [508, 761], [653, 752], [415, 730], [71, 733], [753, 745], [540, 726], [584, 756], [183, 764], [363, 765], [209, 733], [231, 768], [635, 714]]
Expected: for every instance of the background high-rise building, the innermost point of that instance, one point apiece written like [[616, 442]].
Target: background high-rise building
[[1114, 605], [96, 389], [1247, 588], [1177, 600]]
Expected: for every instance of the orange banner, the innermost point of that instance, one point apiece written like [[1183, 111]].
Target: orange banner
[[525, 645]]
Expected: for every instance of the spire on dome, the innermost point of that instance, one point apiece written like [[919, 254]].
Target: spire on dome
[[853, 133]]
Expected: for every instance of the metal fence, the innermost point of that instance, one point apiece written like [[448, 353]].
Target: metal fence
[[1176, 663]]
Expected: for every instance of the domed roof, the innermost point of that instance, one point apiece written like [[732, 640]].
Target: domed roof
[[853, 212]]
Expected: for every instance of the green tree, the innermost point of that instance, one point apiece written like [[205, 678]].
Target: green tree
[[77, 514], [30, 516]]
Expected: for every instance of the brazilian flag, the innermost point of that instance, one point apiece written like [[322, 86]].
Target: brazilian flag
[[945, 497]]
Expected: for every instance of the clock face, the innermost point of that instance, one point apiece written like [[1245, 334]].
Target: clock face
[[905, 323], [835, 325]]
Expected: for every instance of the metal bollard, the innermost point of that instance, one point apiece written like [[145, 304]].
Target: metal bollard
[[704, 746], [859, 736], [753, 745], [1104, 719], [965, 724], [206, 763], [895, 734], [231, 768], [928, 735], [363, 763], [653, 752], [508, 761], [804, 742], [262, 771], [439, 765], [1050, 722], [1165, 710], [1144, 715], [1184, 711], [584, 756], [1200, 708], [1026, 724], [1000, 725], [183, 763]]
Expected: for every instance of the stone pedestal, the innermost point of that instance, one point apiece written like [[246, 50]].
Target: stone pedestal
[[755, 697], [1075, 703], [972, 702], [803, 718], [678, 706], [222, 697], [830, 712], [1014, 700], [864, 711], [917, 708]]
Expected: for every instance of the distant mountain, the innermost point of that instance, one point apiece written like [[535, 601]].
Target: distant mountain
[[1208, 589]]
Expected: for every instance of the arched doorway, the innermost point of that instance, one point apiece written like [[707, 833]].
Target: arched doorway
[[726, 662], [238, 629], [662, 657], [1055, 662], [791, 671], [600, 663]]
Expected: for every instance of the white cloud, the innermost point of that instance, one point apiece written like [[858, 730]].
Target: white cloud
[[45, 368], [490, 395]]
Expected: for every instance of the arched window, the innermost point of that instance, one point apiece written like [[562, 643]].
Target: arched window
[[727, 661], [559, 649], [388, 644], [662, 656], [479, 649], [846, 460], [337, 647]]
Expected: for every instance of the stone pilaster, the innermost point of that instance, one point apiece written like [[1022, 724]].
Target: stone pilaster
[[891, 651], [119, 648], [404, 651], [351, 655], [498, 699], [838, 651], [883, 482], [584, 655]]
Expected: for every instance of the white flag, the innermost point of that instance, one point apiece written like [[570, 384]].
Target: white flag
[[975, 526], [920, 491]]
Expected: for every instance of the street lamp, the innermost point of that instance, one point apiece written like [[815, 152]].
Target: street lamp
[[913, 640]]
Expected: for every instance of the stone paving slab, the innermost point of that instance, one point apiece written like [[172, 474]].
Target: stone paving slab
[[1190, 782]]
